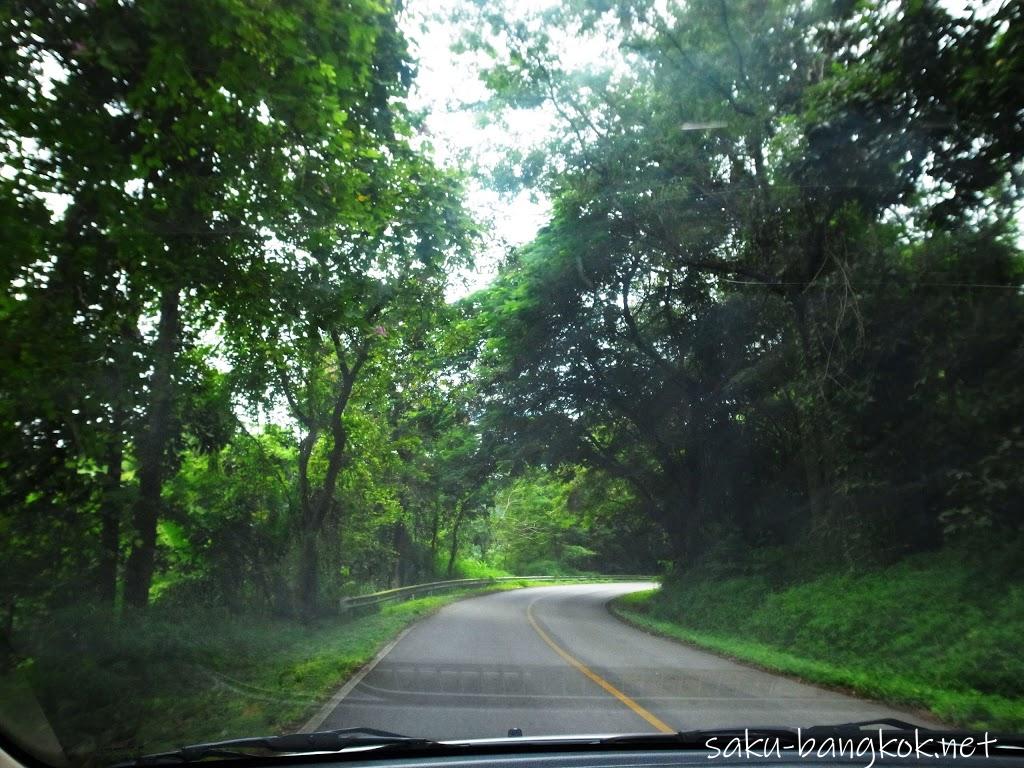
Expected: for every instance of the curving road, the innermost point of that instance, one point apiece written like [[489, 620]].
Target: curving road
[[553, 660]]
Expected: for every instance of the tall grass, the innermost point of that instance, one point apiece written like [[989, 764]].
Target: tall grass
[[473, 568], [113, 689], [930, 632]]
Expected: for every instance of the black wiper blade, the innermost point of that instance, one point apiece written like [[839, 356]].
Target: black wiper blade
[[698, 738], [294, 743], [889, 731], [890, 723], [888, 727], [785, 735]]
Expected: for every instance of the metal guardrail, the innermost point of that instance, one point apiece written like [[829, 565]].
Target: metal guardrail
[[349, 604]]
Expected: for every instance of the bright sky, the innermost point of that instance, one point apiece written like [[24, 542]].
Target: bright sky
[[446, 87]]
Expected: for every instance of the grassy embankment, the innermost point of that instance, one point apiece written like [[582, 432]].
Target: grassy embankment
[[173, 678], [929, 633]]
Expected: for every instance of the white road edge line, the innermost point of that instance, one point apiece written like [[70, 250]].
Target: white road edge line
[[316, 721]]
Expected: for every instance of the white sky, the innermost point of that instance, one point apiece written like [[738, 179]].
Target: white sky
[[446, 87]]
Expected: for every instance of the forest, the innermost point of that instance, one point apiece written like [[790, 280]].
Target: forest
[[774, 325]]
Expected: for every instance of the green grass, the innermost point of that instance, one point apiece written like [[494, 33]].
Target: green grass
[[149, 684], [471, 568], [929, 633]]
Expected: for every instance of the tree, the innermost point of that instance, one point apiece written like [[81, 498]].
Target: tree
[[185, 139], [354, 294], [702, 313]]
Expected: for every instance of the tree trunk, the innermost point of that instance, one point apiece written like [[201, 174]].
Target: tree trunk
[[316, 507], [401, 542], [309, 575], [810, 458], [435, 525], [693, 493], [110, 520], [454, 551], [8, 630], [152, 449], [812, 442]]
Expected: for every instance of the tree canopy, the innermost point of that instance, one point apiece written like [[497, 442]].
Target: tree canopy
[[774, 321]]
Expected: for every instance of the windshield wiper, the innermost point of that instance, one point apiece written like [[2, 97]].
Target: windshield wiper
[[893, 725], [784, 734], [294, 743], [374, 740], [697, 739], [883, 729]]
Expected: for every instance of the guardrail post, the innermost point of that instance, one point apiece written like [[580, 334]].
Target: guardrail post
[[350, 605]]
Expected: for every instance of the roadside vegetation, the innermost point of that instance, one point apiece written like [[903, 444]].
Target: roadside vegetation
[[769, 342], [142, 684], [931, 633]]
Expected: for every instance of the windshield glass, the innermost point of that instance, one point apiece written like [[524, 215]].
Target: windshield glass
[[451, 367]]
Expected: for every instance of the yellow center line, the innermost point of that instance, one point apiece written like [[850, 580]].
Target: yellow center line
[[590, 674]]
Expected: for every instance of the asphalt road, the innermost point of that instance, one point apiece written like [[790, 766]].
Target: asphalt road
[[552, 661]]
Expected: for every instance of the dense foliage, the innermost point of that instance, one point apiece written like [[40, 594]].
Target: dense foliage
[[780, 292], [774, 327], [777, 304], [923, 633], [245, 225]]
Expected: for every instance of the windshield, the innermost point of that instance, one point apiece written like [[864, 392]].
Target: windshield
[[461, 368]]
